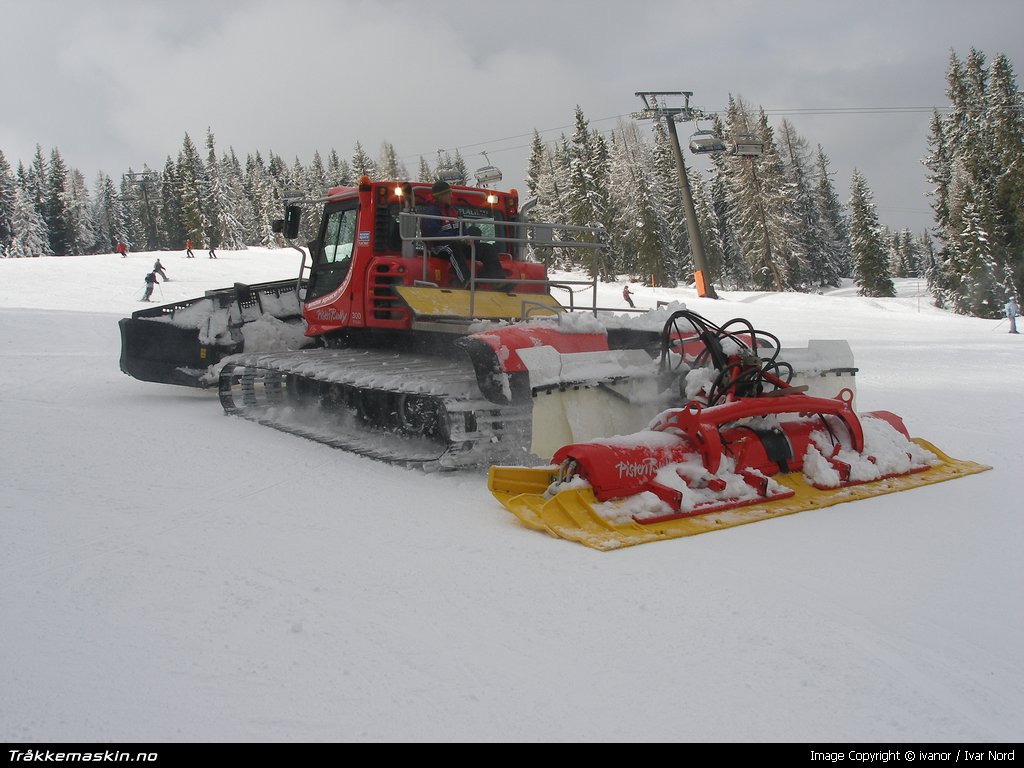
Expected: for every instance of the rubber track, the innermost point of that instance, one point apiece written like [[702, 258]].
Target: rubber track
[[478, 431]]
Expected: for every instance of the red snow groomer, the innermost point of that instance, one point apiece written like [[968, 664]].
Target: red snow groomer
[[747, 445]]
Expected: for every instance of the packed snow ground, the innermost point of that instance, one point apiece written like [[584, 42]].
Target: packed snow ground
[[169, 573]]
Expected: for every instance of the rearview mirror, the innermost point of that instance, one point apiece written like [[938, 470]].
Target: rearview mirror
[[292, 215]]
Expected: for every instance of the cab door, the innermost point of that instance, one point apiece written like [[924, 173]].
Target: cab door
[[328, 295]]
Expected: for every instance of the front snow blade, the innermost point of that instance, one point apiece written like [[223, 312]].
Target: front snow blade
[[574, 513]]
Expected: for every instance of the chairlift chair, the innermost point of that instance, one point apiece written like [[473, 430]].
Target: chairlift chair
[[488, 174], [747, 145], [706, 143], [451, 175]]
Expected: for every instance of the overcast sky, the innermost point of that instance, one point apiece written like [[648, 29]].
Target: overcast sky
[[116, 84]]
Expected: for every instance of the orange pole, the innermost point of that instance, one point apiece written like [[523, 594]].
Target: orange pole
[[698, 276]]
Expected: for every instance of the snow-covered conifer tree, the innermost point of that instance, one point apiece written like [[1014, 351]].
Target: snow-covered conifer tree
[[424, 173], [362, 165], [191, 173], [869, 250], [264, 197], [338, 172], [55, 204], [30, 238], [172, 223], [391, 167], [835, 261], [8, 192], [81, 237]]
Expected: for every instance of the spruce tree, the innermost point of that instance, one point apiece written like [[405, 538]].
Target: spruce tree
[[316, 175], [316, 186], [835, 261], [1005, 123], [391, 167], [928, 263], [362, 165], [735, 273], [897, 266], [191, 174], [8, 192], [278, 172], [241, 206], [132, 204], [30, 237], [224, 200], [34, 182], [976, 166], [172, 222], [338, 172], [971, 269], [424, 173], [809, 233], [31, 184], [213, 200], [869, 250], [542, 183], [909, 254], [459, 166], [55, 205], [264, 196], [535, 169], [145, 188], [764, 223], [939, 165], [643, 236], [561, 208], [588, 179], [81, 237]]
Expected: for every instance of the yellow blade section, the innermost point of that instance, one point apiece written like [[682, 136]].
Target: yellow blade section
[[570, 514], [450, 303]]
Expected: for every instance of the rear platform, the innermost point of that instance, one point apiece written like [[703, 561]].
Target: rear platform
[[177, 343]]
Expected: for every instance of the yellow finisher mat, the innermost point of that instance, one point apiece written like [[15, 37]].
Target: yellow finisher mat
[[487, 305], [571, 514]]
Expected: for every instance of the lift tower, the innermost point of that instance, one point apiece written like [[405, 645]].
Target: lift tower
[[654, 109]]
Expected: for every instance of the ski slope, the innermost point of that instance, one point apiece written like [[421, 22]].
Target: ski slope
[[170, 573]]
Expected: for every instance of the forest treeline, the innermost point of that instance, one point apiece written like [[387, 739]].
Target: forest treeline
[[776, 222]]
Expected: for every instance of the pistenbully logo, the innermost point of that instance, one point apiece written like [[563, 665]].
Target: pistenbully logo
[[637, 468]]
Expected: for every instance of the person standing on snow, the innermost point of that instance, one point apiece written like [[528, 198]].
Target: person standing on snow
[[158, 267], [188, 250], [628, 297], [123, 250], [212, 254], [1012, 310], [150, 282]]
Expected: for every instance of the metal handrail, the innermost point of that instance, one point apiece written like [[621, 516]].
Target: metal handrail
[[410, 231]]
